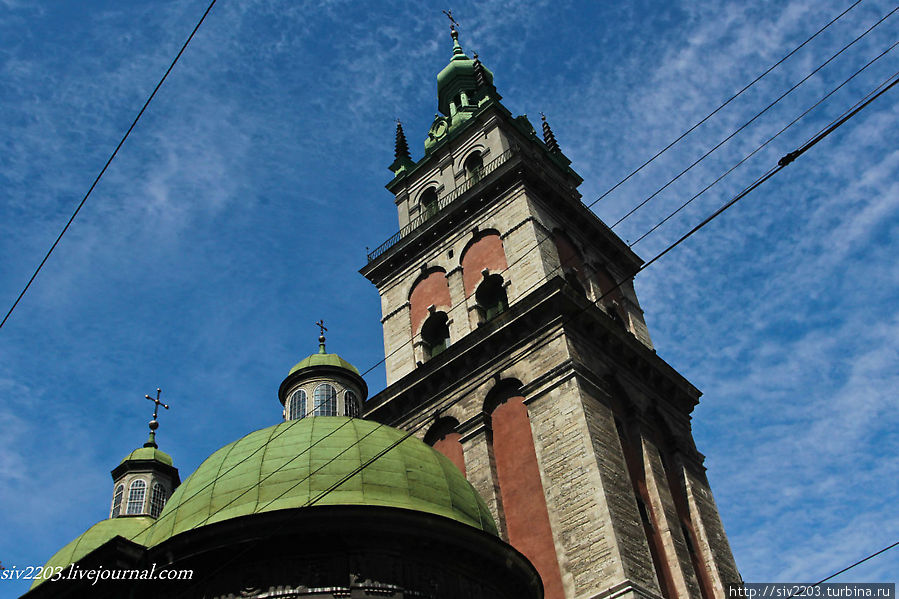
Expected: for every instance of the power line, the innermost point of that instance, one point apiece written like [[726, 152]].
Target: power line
[[105, 166], [750, 121], [769, 140], [726, 102], [847, 568]]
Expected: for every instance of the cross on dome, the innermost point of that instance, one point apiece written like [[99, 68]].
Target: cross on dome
[[321, 338], [154, 424]]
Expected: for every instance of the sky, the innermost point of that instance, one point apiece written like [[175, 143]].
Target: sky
[[239, 211]]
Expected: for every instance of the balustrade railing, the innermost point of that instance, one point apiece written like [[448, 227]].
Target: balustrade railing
[[434, 210]]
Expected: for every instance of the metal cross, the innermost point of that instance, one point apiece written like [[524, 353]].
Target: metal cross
[[321, 324], [157, 403], [453, 22]]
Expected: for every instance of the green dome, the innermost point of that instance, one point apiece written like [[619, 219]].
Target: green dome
[[133, 528], [149, 453], [287, 465], [321, 359]]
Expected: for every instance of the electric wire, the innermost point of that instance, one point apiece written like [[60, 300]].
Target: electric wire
[[726, 102], [849, 567], [750, 121], [105, 166], [768, 141]]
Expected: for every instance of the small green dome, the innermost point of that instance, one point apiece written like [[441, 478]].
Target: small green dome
[[133, 528], [149, 453], [321, 359], [288, 465]]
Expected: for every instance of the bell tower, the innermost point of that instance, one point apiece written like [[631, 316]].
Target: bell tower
[[515, 343]]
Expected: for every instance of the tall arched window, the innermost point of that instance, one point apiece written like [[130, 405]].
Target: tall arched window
[[324, 399], [136, 494], [428, 202], [157, 500], [117, 500], [297, 405], [474, 167], [435, 334], [350, 404], [491, 297]]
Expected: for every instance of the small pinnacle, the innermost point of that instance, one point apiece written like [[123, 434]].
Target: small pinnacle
[[401, 150], [548, 138]]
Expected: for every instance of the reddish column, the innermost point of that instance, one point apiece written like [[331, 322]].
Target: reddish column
[[524, 505], [450, 446]]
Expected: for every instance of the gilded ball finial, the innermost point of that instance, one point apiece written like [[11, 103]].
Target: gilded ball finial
[[154, 424]]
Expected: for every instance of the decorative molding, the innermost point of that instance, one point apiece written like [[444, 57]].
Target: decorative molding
[[390, 315]]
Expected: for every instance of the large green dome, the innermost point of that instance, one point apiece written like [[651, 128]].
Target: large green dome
[[287, 465]]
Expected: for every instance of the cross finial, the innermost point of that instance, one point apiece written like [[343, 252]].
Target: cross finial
[[453, 23], [321, 338], [154, 424]]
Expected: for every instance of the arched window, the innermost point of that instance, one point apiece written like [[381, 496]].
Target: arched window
[[474, 167], [297, 405], [136, 494], [428, 202], [350, 404], [324, 399], [157, 500], [435, 334], [117, 500], [491, 297]]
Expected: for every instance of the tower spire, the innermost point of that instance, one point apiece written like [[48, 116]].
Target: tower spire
[[548, 138], [154, 424], [401, 150], [483, 83], [402, 160]]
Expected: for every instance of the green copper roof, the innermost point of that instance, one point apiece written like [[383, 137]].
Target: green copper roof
[[323, 360], [149, 453], [287, 465], [132, 528]]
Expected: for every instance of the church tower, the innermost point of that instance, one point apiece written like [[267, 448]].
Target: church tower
[[515, 343]]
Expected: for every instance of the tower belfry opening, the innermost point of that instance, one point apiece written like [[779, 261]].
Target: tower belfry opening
[[553, 403]]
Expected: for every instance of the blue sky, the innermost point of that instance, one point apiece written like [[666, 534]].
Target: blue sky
[[238, 213]]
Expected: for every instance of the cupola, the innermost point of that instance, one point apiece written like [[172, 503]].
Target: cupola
[[145, 479], [322, 384]]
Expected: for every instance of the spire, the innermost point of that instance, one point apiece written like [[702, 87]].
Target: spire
[[479, 76], [401, 151], [548, 138], [154, 424], [321, 338], [484, 82], [402, 160]]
